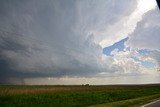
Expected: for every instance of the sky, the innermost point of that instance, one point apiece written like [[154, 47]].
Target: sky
[[77, 42]]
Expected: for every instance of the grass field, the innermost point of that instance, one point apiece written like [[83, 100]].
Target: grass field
[[77, 96]]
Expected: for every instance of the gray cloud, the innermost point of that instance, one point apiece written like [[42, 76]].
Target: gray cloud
[[56, 37], [146, 34]]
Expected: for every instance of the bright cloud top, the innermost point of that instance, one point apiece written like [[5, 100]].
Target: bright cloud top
[[145, 5], [127, 24]]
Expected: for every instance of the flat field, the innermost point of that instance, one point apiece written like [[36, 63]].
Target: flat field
[[77, 95]]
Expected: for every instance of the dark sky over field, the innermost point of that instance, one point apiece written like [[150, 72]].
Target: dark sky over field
[[79, 41]]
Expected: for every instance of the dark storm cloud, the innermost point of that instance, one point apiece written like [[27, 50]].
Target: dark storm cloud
[[36, 41], [54, 37]]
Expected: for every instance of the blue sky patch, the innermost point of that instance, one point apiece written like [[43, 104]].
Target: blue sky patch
[[145, 63], [144, 51], [118, 45]]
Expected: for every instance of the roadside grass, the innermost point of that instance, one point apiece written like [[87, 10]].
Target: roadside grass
[[73, 96], [136, 102]]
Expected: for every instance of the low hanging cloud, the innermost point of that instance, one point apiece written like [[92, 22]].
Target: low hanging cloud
[[63, 38]]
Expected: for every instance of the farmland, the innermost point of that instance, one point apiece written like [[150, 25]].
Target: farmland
[[76, 96]]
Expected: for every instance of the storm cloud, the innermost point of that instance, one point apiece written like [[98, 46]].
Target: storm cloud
[[57, 38]]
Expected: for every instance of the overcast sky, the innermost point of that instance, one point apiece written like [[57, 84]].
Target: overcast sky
[[79, 42]]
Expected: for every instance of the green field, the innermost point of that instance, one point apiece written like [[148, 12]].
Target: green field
[[77, 96]]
